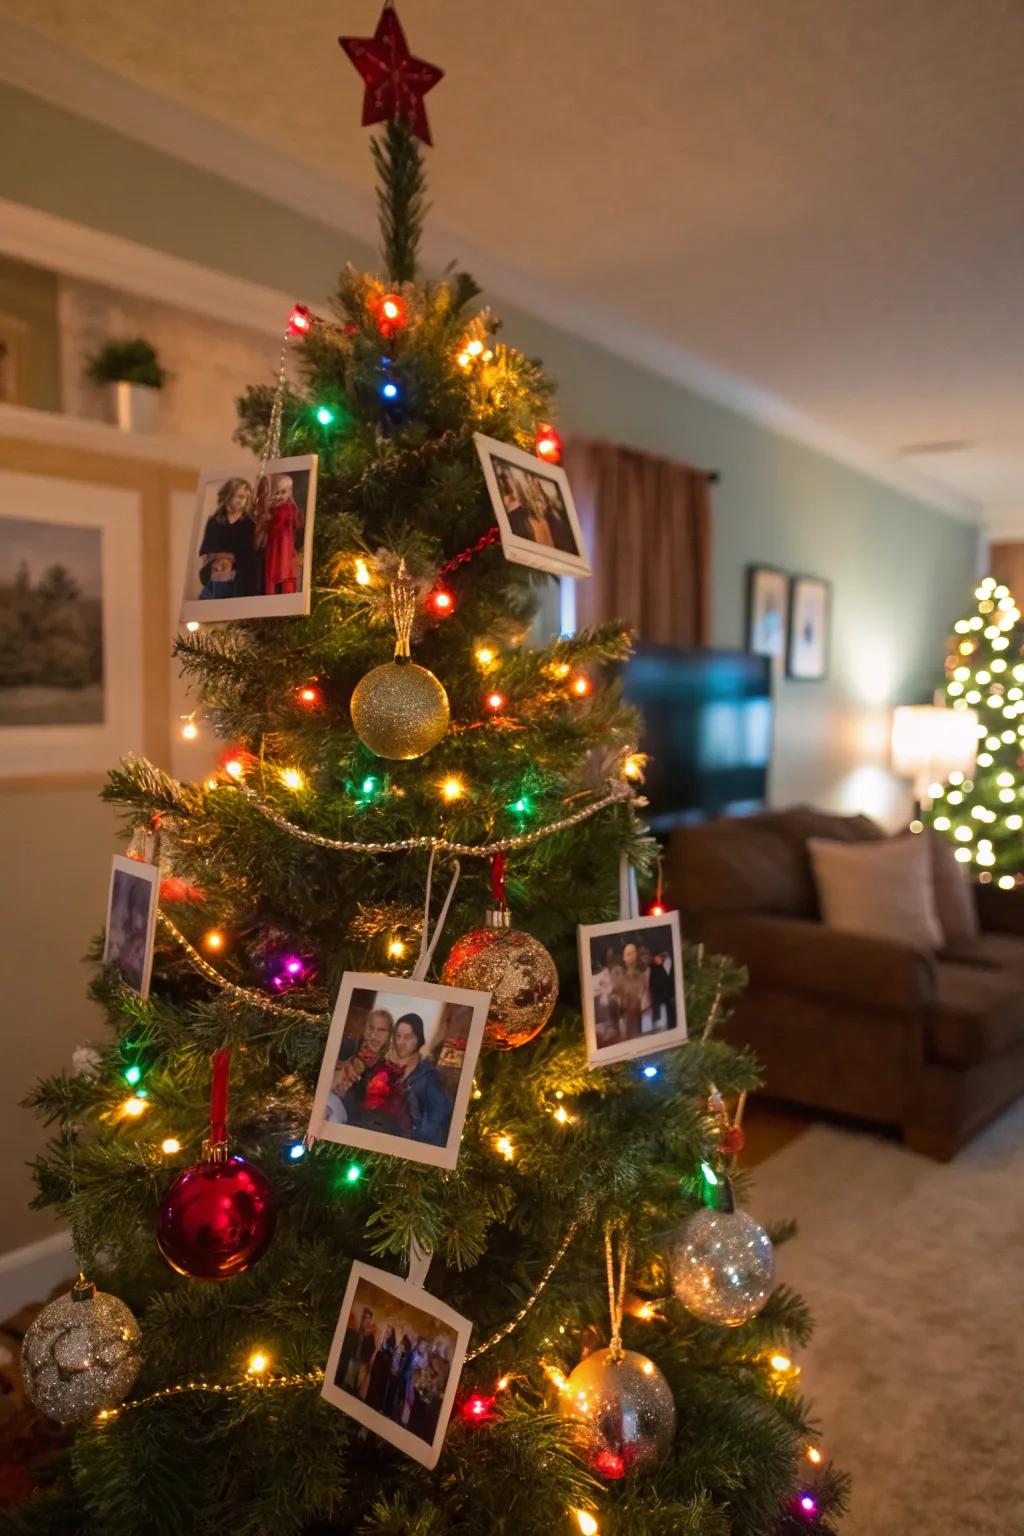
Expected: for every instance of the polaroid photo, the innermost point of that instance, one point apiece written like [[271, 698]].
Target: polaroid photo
[[398, 1067], [395, 1361], [533, 504], [131, 921], [631, 979], [251, 544]]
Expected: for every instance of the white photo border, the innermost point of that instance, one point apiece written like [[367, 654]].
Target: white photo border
[[644, 1045], [379, 1141], [277, 605], [428, 1453], [141, 871], [527, 551]]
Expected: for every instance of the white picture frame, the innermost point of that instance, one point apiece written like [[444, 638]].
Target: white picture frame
[[294, 546], [376, 1290], [132, 902], [342, 1113], [810, 619], [532, 484], [612, 1006], [36, 512]]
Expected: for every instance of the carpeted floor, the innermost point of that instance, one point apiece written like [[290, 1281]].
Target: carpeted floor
[[915, 1273]]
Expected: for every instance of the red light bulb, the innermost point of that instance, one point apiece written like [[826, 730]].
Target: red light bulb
[[581, 686], [300, 321], [495, 701], [442, 602], [548, 444], [392, 313], [309, 696], [656, 909]]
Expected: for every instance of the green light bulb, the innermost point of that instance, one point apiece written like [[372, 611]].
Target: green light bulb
[[369, 785], [709, 1173], [324, 415], [132, 1075], [353, 1173]]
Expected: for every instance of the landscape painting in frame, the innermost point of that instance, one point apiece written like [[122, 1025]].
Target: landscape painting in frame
[[70, 607]]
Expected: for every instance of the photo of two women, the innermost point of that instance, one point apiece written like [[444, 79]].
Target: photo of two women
[[534, 506], [396, 1359], [633, 984], [394, 1074], [251, 543]]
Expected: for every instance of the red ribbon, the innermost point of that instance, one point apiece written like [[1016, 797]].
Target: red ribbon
[[219, 1096], [498, 865]]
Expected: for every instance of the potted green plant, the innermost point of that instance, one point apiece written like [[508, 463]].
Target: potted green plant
[[133, 377]]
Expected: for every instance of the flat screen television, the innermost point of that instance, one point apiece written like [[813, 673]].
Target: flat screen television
[[708, 729]]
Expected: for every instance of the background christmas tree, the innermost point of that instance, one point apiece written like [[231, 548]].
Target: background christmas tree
[[227, 1430], [984, 815]]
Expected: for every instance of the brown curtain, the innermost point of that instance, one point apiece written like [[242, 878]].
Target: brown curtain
[[647, 529]]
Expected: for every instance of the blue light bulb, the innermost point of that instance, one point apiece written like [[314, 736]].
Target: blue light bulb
[[389, 391], [296, 1151], [650, 1071]]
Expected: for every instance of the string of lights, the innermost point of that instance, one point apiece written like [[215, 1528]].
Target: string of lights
[[617, 794], [240, 994]]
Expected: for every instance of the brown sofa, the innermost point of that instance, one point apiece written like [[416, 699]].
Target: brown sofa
[[930, 1043]]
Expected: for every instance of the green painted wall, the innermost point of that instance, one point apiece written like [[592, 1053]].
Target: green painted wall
[[29, 295], [900, 570]]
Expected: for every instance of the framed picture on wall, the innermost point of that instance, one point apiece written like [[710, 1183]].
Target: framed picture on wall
[[70, 626], [809, 615], [767, 612]]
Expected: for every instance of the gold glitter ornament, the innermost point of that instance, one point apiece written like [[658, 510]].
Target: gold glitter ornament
[[400, 710], [515, 969], [81, 1354]]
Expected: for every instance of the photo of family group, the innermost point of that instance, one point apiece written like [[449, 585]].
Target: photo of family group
[[131, 922], [533, 504], [632, 977], [251, 540], [398, 1067], [395, 1361]]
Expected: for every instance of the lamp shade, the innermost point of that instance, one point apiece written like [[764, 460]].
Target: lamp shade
[[930, 743]]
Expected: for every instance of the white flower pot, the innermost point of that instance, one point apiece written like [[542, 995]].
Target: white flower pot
[[135, 406]]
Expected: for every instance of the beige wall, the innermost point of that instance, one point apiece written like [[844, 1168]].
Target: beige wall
[[57, 838]]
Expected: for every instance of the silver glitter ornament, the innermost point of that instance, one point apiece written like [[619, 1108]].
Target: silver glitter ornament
[[81, 1354], [628, 1406], [723, 1266]]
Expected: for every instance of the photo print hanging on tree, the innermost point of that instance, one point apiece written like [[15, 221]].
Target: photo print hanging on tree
[[398, 1067], [631, 979], [533, 504], [131, 922], [251, 544], [395, 1361]]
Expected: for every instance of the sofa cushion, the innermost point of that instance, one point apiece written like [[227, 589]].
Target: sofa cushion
[[978, 1013], [735, 864], [954, 893], [882, 890], [995, 951]]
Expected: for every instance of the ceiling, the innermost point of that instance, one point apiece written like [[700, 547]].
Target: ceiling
[[821, 198]]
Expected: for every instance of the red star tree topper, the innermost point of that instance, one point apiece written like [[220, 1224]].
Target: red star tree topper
[[396, 82]]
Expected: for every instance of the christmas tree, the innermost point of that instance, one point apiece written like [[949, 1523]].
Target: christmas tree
[[581, 1201], [985, 673]]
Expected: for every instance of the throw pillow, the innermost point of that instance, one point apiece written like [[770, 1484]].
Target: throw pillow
[[882, 890], [954, 894]]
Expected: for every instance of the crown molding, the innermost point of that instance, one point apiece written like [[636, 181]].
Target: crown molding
[[32, 63]]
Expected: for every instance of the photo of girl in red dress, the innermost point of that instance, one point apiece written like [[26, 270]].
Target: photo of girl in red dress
[[281, 527]]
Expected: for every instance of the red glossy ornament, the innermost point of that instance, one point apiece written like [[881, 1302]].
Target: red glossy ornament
[[217, 1219], [396, 82], [733, 1140]]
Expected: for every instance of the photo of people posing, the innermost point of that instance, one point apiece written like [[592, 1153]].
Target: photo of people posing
[[251, 539], [534, 508], [131, 922], [398, 1067], [632, 986], [395, 1361]]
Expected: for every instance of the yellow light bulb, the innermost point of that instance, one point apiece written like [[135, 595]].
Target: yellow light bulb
[[189, 731], [586, 1522], [211, 784], [258, 1363], [463, 359], [645, 1311], [234, 769], [965, 647], [814, 1455], [781, 1363], [485, 656], [396, 949], [452, 789], [170, 1146], [633, 767], [362, 573], [474, 348], [291, 778], [192, 626], [562, 1115], [133, 1107], [1006, 882], [213, 940], [560, 669], [505, 1147]]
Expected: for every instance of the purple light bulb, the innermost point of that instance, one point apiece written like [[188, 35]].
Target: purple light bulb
[[808, 1505]]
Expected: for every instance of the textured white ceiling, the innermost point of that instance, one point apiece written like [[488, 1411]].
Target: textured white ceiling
[[821, 197]]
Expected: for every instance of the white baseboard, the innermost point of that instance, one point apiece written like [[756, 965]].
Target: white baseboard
[[31, 1273]]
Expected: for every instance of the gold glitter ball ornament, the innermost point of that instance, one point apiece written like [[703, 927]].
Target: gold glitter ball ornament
[[517, 971], [81, 1354], [400, 710], [628, 1407]]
